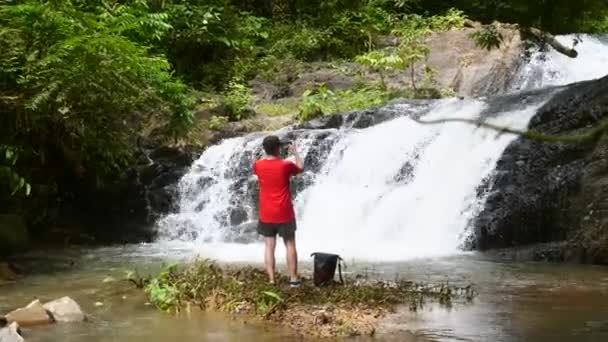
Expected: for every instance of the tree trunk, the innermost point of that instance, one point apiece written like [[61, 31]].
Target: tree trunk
[[413, 76], [542, 36], [550, 39]]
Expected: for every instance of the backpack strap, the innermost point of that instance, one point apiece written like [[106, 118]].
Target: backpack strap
[[340, 270]]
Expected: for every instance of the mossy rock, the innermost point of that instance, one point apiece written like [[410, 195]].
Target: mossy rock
[[14, 237]]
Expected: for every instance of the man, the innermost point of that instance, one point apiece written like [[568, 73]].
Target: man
[[276, 209]]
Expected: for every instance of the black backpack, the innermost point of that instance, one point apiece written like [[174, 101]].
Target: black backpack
[[325, 268]]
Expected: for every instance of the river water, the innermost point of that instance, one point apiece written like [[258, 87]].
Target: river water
[[516, 301]]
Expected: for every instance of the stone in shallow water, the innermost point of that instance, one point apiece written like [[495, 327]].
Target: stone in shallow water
[[33, 314], [65, 310], [11, 333]]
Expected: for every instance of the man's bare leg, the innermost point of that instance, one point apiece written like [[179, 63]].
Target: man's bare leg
[[269, 261], [292, 256]]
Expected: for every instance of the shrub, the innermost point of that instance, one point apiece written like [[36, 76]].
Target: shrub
[[236, 98], [218, 123]]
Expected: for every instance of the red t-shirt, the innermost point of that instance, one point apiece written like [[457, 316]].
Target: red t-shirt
[[275, 198]]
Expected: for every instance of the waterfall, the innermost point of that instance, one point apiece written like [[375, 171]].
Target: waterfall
[[381, 186], [550, 68]]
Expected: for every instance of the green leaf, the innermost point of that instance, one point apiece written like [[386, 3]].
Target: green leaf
[[273, 295]]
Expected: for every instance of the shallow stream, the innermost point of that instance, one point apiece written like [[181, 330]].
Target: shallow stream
[[516, 301]]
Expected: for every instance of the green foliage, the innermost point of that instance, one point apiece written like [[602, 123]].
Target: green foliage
[[77, 82], [267, 301], [208, 37], [10, 181], [488, 37], [322, 101], [301, 41], [218, 123], [236, 98], [555, 16], [452, 19], [380, 62], [277, 108], [161, 290], [317, 103], [412, 48]]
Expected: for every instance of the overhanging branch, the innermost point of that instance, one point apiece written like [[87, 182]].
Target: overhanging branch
[[548, 38], [589, 135], [540, 35]]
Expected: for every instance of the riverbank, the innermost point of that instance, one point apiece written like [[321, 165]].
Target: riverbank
[[353, 308]]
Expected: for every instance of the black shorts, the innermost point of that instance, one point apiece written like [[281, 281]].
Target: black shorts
[[285, 230]]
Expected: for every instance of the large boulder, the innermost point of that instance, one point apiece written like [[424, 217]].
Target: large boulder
[[553, 192], [470, 70], [65, 310], [31, 315], [11, 333], [14, 236]]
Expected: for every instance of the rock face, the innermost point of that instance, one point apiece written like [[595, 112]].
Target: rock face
[[14, 236], [459, 64], [11, 333], [553, 192], [126, 210], [473, 71], [31, 315], [65, 310]]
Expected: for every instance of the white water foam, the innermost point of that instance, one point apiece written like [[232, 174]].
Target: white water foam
[[356, 209], [552, 68]]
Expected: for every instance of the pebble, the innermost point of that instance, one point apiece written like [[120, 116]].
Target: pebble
[[98, 304]]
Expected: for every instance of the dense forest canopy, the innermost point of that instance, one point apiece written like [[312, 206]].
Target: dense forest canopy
[[80, 78]]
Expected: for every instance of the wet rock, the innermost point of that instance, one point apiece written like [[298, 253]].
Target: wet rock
[[65, 310], [553, 192], [325, 122], [14, 237], [268, 91], [12, 333], [237, 216], [31, 315], [125, 210]]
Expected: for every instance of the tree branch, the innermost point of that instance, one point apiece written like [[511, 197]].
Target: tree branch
[[540, 35], [589, 135], [550, 39]]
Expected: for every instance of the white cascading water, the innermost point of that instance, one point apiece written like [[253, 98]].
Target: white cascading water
[[553, 68], [355, 208], [394, 191]]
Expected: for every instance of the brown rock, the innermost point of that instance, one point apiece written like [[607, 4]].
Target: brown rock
[[6, 272], [33, 314], [65, 310], [470, 70]]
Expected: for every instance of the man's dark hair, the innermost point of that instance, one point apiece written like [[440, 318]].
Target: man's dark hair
[[272, 145]]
